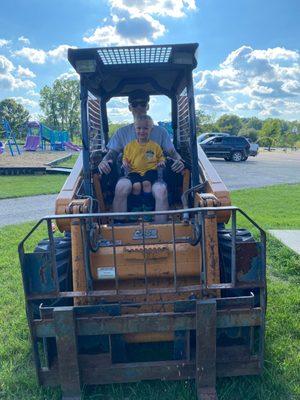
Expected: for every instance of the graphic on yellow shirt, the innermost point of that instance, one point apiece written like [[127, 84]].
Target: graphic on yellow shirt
[[143, 157]]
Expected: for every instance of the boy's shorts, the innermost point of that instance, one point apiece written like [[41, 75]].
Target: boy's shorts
[[150, 176]]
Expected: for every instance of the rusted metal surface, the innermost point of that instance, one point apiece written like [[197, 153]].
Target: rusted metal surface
[[206, 328], [66, 341], [95, 373], [152, 322]]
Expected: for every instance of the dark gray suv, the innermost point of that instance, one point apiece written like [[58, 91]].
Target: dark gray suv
[[231, 148]]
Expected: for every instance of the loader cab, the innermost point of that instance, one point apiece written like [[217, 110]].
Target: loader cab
[[111, 73]]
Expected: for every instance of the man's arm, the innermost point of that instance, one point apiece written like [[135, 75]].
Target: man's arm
[[104, 166], [168, 147], [178, 164]]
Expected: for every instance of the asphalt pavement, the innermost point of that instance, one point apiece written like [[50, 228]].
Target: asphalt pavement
[[265, 169]]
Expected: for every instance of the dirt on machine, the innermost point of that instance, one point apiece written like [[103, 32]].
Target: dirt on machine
[[112, 302]]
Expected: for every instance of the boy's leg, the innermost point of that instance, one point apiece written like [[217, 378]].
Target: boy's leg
[[148, 199]]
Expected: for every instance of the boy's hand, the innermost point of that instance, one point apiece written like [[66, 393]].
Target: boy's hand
[[126, 166], [161, 164]]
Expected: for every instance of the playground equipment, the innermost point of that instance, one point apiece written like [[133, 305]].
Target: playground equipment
[[122, 302], [55, 138], [72, 146], [32, 143], [11, 138]]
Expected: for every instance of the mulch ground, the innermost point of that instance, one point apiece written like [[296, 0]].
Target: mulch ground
[[30, 158]]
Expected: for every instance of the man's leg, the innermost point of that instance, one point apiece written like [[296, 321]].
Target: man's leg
[[122, 191], [160, 194]]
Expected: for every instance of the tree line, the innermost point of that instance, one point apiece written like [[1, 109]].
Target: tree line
[[60, 106], [269, 132]]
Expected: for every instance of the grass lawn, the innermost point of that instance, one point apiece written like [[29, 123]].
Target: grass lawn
[[281, 377], [69, 163], [30, 185]]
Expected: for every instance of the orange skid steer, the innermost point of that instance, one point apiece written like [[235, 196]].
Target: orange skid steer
[[110, 286]]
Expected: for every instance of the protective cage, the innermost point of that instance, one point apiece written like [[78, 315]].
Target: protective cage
[[216, 329]]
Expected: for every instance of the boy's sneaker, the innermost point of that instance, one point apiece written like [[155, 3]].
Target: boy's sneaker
[[134, 218], [148, 218]]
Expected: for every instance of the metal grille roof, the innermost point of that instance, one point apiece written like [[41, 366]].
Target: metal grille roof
[[135, 55]]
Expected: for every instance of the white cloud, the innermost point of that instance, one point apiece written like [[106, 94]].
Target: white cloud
[[276, 54], [26, 102], [6, 65], [33, 93], [8, 81], [135, 22], [169, 8], [71, 74], [25, 72], [60, 52], [136, 30], [39, 56], [250, 79], [24, 40], [4, 42], [36, 56], [211, 102]]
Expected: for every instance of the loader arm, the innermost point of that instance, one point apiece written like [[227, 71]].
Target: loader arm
[[68, 193]]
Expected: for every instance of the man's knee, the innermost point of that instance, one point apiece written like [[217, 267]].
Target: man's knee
[[123, 187], [159, 191]]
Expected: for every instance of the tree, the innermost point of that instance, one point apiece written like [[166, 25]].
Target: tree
[[229, 123], [61, 105], [15, 114], [254, 123], [270, 132], [249, 133], [205, 122]]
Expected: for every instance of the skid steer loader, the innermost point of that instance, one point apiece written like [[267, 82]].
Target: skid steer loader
[[102, 293]]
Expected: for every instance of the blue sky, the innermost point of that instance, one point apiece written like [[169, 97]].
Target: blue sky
[[248, 58]]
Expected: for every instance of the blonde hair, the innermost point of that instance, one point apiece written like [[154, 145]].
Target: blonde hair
[[143, 117]]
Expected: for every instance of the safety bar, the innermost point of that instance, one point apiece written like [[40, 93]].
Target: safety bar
[[200, 211]]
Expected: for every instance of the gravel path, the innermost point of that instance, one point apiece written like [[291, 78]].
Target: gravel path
[[23, 209]]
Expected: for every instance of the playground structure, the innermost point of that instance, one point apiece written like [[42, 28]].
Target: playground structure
[[38, 135], [11, 139]]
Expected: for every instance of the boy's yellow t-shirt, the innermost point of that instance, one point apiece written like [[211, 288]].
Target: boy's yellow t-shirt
[[143, 157]]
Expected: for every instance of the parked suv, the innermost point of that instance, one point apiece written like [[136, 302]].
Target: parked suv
[[206, 135], [231, 148]]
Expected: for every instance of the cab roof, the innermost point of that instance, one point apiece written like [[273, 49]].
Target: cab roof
[[116, 71]]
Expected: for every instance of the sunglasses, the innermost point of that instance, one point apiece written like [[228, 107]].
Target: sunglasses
[[135, 104]]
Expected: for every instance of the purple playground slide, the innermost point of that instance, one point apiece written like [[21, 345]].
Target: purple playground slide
[[72, 146], [32, 143]]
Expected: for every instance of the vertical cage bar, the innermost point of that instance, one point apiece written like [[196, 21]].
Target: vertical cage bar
[[114, 254], [203, 250], [233, 247], [85, 137], [52, 253], [144, 254], [174, 254]]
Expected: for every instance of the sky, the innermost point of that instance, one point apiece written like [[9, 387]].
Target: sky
[[248, 56]]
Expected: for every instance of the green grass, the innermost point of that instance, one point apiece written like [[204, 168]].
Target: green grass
[[68, 163], [281, 376], [271, 207], [30, 185]]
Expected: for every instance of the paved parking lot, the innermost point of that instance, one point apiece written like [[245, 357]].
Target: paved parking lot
[[268, 168]]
